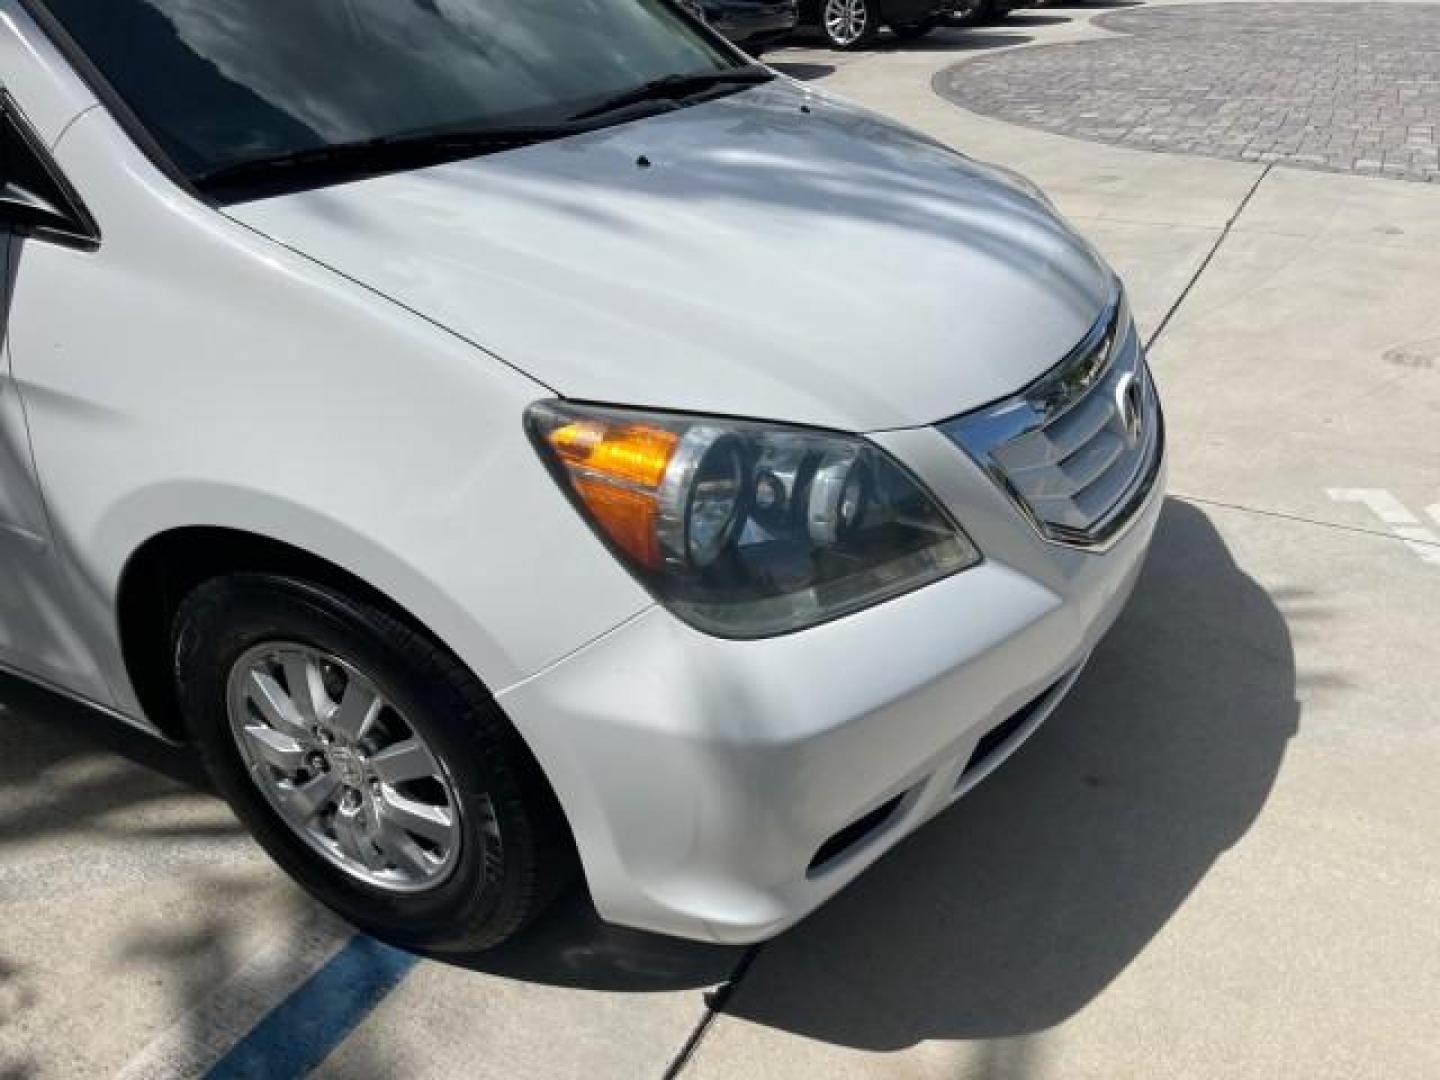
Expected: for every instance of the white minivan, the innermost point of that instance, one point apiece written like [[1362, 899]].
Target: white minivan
[[513, 439]]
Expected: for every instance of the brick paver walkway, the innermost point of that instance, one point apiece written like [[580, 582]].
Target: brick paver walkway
[[1345, 87]]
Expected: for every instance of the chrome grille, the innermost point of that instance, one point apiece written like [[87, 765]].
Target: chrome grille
[[1080, 448]]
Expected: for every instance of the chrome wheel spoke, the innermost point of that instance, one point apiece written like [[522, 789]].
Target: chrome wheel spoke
[[302, 676], [306, 800], [402, 762], [359, 707], [353, 837], [277, 749], [403, 852], [273, 704], [432, 823]]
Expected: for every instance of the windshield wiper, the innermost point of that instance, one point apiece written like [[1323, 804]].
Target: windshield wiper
[[678, 87], [394, 153], [391, 153]]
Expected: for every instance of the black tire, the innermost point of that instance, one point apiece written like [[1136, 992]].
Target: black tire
[[496, 886], [866, 35], [913, 31]]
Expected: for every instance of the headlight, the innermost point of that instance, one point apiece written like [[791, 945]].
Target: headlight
[[748, 530]]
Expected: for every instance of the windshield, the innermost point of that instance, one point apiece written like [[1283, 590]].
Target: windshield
[[219, 83]]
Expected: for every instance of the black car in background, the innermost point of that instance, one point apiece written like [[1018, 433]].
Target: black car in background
[[849, 24], [749, 22], [980, 12]]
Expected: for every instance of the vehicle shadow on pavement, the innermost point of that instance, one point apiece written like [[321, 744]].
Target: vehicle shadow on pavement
[[1024, 901], [805, 72], [66, 768], [944, 39], [1088, 5], [91, 812], [1027, 18], [570, 946]]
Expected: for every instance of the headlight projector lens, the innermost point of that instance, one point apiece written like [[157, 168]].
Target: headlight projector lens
[[704, 497], [839, 498]]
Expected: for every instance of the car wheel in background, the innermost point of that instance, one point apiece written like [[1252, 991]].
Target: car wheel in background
[[849, 24], [368, 762]]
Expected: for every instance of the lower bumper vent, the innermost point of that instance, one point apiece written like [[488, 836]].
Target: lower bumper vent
[[854, 833], [995, 739]]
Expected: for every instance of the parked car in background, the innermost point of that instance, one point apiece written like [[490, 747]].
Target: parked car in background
[[981, 12], [851, 24], [566, 440], [751, 23]]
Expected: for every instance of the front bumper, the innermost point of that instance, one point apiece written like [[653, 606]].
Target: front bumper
[[701, 777]]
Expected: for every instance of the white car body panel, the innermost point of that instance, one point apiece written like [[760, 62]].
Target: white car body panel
[[37, 76]]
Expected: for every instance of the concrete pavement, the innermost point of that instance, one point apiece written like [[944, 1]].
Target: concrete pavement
[[1217, 859]]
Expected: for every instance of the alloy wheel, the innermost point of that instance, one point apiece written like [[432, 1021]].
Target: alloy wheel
[[846, 21], [343, 767]]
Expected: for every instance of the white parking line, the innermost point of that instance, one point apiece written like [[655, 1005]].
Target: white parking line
[[1406, 525], [200, 1038]]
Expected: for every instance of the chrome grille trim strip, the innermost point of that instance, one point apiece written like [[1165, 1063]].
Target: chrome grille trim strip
[[1064, 449]]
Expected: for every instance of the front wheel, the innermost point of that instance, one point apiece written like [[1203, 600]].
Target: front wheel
[[368, 762], [849, 24]]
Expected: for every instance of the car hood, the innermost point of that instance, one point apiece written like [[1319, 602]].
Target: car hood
[[773, 254]]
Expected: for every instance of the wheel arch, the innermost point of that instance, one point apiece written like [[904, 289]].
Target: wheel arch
[[145, 552], [164, 569]]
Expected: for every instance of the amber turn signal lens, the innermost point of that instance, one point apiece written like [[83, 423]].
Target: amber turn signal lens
[[616, 469]]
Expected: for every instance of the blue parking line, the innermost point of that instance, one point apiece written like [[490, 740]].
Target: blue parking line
[[300, 1032]]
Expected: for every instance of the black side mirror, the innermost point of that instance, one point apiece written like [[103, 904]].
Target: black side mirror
[[24, 209], [35, 199]]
